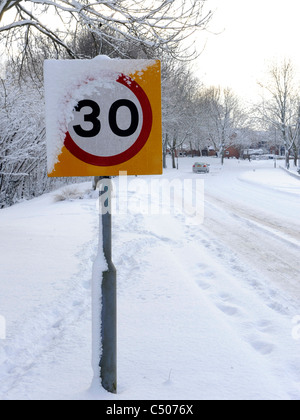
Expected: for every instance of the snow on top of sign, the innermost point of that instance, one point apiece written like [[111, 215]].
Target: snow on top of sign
[[102, 57], [68, 81]]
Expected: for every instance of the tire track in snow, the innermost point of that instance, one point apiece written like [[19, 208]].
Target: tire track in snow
[[290, 234], [258, 245]]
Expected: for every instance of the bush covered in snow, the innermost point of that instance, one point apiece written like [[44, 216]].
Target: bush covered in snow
[[23, 169]]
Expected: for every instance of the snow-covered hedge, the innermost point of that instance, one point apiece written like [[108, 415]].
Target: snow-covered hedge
[[23, 170]]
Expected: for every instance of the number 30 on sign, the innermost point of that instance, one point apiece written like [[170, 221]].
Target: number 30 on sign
[[103, 117]]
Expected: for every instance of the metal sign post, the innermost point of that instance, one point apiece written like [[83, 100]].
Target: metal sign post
[[108, 361]]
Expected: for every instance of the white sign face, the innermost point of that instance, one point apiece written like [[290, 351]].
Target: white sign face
[[108, 123]]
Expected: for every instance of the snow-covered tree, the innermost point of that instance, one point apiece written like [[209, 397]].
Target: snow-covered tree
[[22, 151], [179, 111], [23, 168], [223, 116], [280, 106], [162, 25]]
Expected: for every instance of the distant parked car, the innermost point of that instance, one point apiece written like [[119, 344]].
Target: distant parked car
[[201, 168]]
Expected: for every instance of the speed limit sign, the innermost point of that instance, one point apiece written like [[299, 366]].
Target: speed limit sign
[[103, 116]]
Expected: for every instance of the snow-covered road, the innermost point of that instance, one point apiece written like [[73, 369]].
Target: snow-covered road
[[205, 311], [259, 222]]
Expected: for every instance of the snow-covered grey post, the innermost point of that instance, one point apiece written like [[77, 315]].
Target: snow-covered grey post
[[108, 357]]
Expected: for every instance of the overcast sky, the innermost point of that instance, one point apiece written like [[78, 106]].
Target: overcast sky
[[252, 33]]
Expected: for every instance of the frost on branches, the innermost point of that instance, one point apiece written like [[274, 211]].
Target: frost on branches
[[160, 25], [22, 143]]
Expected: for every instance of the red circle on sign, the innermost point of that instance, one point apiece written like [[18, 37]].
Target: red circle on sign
[[132, 150]]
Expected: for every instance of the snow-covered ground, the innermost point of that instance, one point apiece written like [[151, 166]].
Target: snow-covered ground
[[205, 310]]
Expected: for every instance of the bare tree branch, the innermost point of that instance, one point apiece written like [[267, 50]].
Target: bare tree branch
[[162, 25], [280, 110]]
